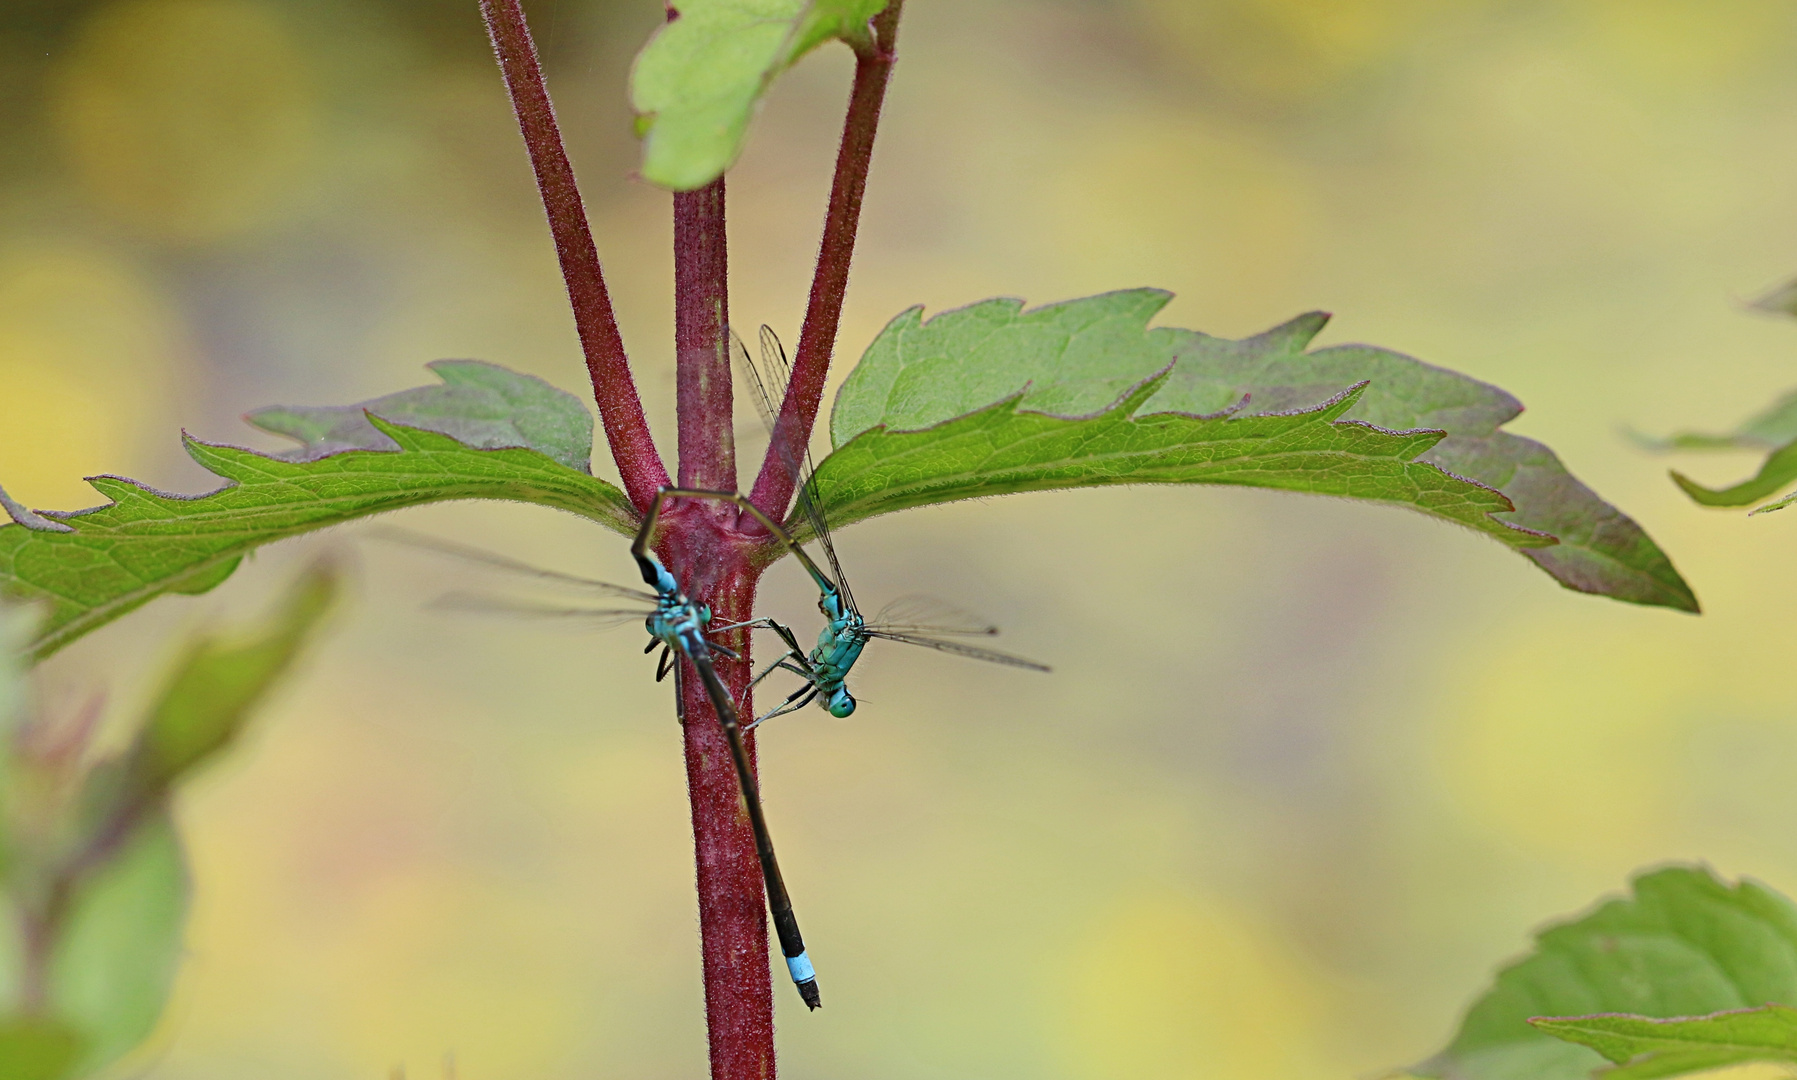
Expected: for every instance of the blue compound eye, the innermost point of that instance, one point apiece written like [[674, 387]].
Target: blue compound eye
[[841, 703]]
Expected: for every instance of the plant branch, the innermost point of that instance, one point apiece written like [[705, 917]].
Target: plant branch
[[830, 282], [613, 389], [701, 349], [739, 994]]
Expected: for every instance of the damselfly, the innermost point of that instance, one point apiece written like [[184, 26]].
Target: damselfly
[[914, 620], [680, 626]]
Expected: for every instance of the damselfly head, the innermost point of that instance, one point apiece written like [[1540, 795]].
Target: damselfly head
[[842, 703]]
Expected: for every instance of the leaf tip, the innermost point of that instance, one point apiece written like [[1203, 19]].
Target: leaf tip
[[28, 518], [1703, 496]]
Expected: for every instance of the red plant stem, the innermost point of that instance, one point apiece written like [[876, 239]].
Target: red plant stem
[[830, 281], [702, 355], [739, 1001], [614, 390]]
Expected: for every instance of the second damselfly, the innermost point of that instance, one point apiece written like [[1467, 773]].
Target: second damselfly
[[912, 620]]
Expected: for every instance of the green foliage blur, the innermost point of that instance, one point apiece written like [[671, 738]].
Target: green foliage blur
[[94, 883], [1304, 769]]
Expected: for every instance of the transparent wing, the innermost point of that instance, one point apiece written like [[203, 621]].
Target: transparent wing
[[929, 617], [767, 382], [766, 405], [481, 556], [584, 618], [958, 648]]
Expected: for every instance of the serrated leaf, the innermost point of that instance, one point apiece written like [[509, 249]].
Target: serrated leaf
[[1684, 944], [98, 564], [1076, 357], [114, 963], [696, 84], [1645, 1048], [217, 684], [34, 1048], [479, 404], [1003, 449]]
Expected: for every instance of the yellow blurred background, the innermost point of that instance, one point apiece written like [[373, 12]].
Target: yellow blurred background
[[1281, 827]]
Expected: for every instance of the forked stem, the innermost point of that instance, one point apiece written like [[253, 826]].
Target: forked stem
[[733, 927]]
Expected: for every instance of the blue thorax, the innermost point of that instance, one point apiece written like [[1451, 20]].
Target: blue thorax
[[839, 645]]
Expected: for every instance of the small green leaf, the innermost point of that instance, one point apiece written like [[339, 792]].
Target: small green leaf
[[479, 404], [114, 963], [696, 84], [1775, 430], [33, 1048], [1001, 449], [1078, 357], [1779, 469], [1645, 1048], [1766, 430], [1685, 944], [91, 566], [216, 686]]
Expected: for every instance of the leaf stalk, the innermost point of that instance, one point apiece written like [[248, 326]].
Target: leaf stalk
[[830, 280], [620, 409]]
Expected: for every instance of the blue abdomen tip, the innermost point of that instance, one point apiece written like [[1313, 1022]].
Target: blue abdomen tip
[[801, 969]]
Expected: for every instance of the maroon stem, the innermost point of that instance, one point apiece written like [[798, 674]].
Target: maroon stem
[[619, 407], [739, 1002], [830, 282], [702, 354]]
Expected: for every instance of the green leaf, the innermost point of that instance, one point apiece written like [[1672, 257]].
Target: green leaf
[[479, 404], [1774, 429], [1002, 449], [1765, 430], [696, 84], [1077, 358], [1779, 469], [216, 686], [91, 566], [32, 1048], [116, 954], [1645, 1048], [1685, 944], [113, 965]]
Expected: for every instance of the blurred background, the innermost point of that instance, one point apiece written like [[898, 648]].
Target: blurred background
[[1305, 771]]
